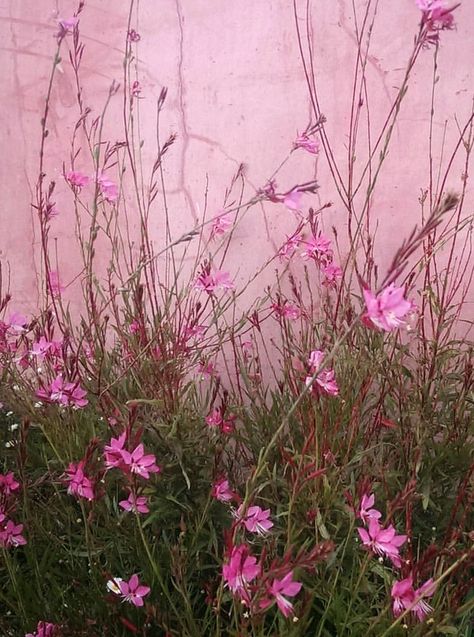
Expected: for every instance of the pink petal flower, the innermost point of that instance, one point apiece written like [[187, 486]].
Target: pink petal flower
[[222, 491], [76, 179], [366, 512], [310, 145], [108, 189], [387, 309], [286, 586], [255, 520], [132, 591], [241, 569]]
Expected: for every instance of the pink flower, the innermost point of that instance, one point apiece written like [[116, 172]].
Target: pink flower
[[332, 273], [113, 452], [293, 200], [11, 535], [326, 378], [65, 394], [221, 224], [286, 310], [67, 25], [310, 145], [222, 491], [77, 179], [136, 504], [255, 520], [44, 629], [17, 322], [216, 419], [280, 587], [79, 484], [406, 598], [241, 569], [8, 484], [133, 36], [387, 309], [41, 347], [366, 512], [140, 463], [317, 248], [290, 246], [108, 189], [133, 592], [209, 283], [384, 542]]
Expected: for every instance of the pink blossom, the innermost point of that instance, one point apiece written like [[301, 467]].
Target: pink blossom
[[16, 323], [108, 188], [310, 145], [325, 379], [140, 463], [255, 520], [293, 200], [221, 224], [208, 282], [44, 629], [216, 419], [134, 326], [289, 247], [317, 248], [11, 535], [77, 179], [113, 452], [222, 491], [66, 25], [8, 484], [241, 569], [366, 512], [63, 393], [286, 310], [41, 348], [133, 36], [79, 484], [384, 542], [387, 309], [406, 598], [332, 273], [133, 592], [278, 589], [135, 504]]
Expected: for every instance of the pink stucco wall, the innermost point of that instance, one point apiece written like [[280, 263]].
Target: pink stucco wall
[[236, 93]]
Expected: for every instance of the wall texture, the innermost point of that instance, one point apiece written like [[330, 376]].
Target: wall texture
[[236, 93]]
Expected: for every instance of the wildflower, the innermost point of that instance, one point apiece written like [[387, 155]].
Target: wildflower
[[136, 504], [108, 188], [317, 248], [293, 200], [216, 419], [387, 309], [325, 379], [113, 585], [208, 282], [222, 491], [140, 463], [332, 273], [77, 179], [289, 247], [278, 589], [66, 25], [255, 520], [113, 452], [310, 145], [79, 484], [405, 597], [8, 484], [221, 224], [41, 348], [132, 591], [10, 535], [16, 323], [384, 542], [286, 310], [44, 629], [241, 569], [62, 393], [366, 512]]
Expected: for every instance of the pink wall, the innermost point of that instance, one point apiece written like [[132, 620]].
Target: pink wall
[[236, 93]]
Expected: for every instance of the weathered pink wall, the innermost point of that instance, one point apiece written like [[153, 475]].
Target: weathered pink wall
[[236, 93]]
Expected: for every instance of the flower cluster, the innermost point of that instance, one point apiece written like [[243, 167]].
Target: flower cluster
[[325, 379], [10, 533], [405, 597]]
